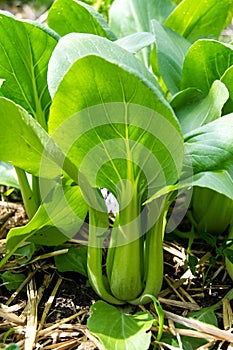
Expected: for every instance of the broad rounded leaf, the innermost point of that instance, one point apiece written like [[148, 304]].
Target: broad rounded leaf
[[210, 147], [93, 54], [148, 128], [54, 222], [218, 181], [194, 110], [23, 140], [207, 60], [119, 330], [75, 46], [195, 20], [11, 280], [25, 50], [67, 16]]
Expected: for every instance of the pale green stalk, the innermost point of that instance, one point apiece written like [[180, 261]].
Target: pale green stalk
[[153, 273], [94, 259], [29, 201]]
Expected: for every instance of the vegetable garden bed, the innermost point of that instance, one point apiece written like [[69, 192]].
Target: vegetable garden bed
[[140, 104]]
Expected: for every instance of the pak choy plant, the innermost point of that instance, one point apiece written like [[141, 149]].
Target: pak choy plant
[[198, 99], [111, 120], [203, 100], [190, 94]]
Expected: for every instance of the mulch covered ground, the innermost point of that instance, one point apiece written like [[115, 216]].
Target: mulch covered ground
[[49, 310]]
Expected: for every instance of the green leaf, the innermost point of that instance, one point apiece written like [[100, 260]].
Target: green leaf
[[194, 110], [81, 73], [67, 16], [25, 50], [210, 147], [208, 60], [8, 176], [39, 230], [205, 315], [171, 49], [227, 80], [26, 251], [59, 218], [12, 280], [75, 46], [12, 347], [74, 260], [195, 21], [109, 128], [23, 140], [128, 17], [119, 330], [188, 343], [219, 181], [136, 41]]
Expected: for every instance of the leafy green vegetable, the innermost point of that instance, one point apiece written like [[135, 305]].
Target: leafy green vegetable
[[193, 109], [25, 50], [12, 280], [210, 146], [67, 16], [21, 135], [141, 107], [89, 114], [120, 330], [74, 260], [112, 125], [208, 61], [26, 251], [54, 221], [194, 21], [75, 46]]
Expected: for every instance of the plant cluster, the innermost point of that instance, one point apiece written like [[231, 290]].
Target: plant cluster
[[142, 106]]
